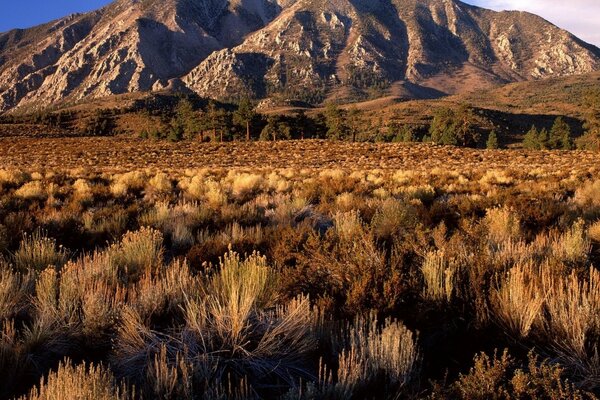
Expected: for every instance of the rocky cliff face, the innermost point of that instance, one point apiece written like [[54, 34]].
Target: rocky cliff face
[[317, 49], [128, 46], [306, 50]]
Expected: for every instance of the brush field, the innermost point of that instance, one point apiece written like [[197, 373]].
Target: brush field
[[297, 270]]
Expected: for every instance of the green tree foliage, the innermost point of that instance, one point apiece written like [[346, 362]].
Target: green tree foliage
[[336, 122], [560, 135], [353, 119], [277, 128], [492, 141], [591, 138], [531, 139], [187, 119], [100, 124], [454, 127], [245, 115]]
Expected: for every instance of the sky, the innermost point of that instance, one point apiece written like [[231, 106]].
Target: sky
[[582, 17]]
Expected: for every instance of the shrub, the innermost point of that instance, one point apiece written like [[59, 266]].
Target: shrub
[[502, 377], [37, 252], [440, 276], [33, 190], [517, 301], [138, 251], [594, 232], [376, 359], [503, 224], [492, 141], [80, 382]]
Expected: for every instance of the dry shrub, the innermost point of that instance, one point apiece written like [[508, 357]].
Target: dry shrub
[[573, 246], [588, 194], [393, 218], [503, 224], [517, 302], [502, 377], [244, 185], [13, 177], [34, 190], [122, 184], [83, 190], [177, 221], [3, 239], [440, 274], [37, 252], [138, 251], [572, 323], [80, 382], [160, 183], [593, 232], [497, 177], [15, 289], [231, 333], [376, 360], [164, 293]]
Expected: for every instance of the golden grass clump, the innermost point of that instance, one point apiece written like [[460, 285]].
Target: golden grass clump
[[138, 251], [245, 184], [572, 322], [160, 183], [13, 177], [588, 194], [574, 245], [123, 183], [33, 190], [37, 252], [518, 300], [81, 382], [15, 289], [373, 353], [503, 224], [440, 275], [594, 232]]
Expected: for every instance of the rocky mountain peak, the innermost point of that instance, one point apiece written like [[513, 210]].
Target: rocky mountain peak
[[309, 50]]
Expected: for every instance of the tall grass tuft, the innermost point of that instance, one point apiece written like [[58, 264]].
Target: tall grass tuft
[[518, 300], [81, 382], [38, 251], [138, 251]]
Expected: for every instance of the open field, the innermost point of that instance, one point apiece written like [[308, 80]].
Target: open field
[[297, 270], [106, 154]]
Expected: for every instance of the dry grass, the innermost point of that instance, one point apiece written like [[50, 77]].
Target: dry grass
[[81, 382], [225, 280]]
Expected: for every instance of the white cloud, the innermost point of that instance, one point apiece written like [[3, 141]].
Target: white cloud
[[581, 17]]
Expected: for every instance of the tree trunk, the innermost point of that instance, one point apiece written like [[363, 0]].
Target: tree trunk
[[247, 131], [221, 136]]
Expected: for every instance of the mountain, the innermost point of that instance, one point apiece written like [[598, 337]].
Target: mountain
[[283, 50], [128, 46]]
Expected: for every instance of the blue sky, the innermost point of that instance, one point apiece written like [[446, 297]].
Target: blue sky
[[579, 16]]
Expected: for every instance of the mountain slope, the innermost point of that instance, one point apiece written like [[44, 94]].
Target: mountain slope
[[128, 46], [349, 48], [309, 50]]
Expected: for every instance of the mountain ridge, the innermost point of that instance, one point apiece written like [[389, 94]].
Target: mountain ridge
[[309, 50]]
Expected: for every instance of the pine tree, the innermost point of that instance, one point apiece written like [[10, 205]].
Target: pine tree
[[187, 119], [591, 138], [560, 135], [492, 141], [543, 139], [353, 122], [531, 139], [442, 127], [245, 115], [335, 120]]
